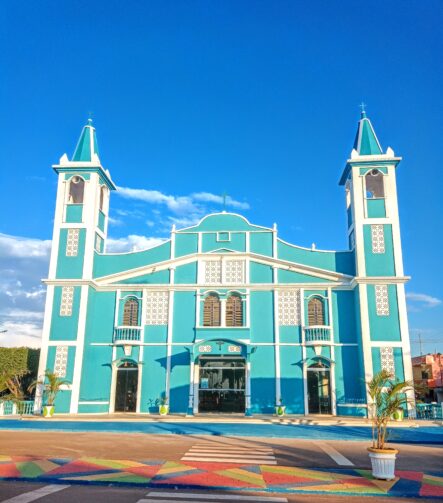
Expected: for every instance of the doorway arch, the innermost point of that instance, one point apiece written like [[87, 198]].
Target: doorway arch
[[126, 387]]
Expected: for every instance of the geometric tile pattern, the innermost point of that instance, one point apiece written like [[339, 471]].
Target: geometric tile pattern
[[234, 272], [289, 307], [387, 360], [221, 476], [66, 302], [378, 238], [157, 307], [212, 272], [61, 361], [72, 242], [382, 300]]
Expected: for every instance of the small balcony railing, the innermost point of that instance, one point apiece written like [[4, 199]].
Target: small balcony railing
[[317, 333], [127, 334]]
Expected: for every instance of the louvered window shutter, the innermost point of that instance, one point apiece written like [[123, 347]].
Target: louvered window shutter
[[130, 313], [315, 312], [211, 311], [234, 311]]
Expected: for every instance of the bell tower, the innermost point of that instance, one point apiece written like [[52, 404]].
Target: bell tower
[[80, 230], [373, 225]]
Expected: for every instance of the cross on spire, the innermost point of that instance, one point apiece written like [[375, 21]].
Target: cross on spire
[[363, 109]]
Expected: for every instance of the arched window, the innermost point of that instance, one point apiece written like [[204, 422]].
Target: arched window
[[234, 311], [102, 197], [130, 313], [76, 190], [211, 311], [316, 314], [374, 184]]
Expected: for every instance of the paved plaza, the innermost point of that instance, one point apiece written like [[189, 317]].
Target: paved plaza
[[139, 467]]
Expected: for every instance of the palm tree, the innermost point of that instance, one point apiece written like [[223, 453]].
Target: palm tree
[[387, 397], [51, 386]]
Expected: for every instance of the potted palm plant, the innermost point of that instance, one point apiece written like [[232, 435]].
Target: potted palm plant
[[51, 385], [387, 396]]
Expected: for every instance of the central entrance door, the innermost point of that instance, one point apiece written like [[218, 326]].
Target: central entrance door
[[319, 389], [126, 388], [222, 384]]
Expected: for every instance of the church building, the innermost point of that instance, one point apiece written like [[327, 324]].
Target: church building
[[225, 316]]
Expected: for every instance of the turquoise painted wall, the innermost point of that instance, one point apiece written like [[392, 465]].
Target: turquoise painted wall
[[179, 383], [260, 273], [64, 328], [101, 220], [237, 242], [331, 261], [119, 262], [225, 222], [186, 274], [95, 384], [261, 243], [184, 316], [99, 408], [344, 323], [100, 318], [290, 333], [262, 323], [153, 377], [296, 277], [384, 328], [379, 264], [74, 213], [376, 208], [70, 267], [153, 278], [63, 402], [185, 244], [398, 362], [70, 362], [263, 380], [155, 333], [349, 376], [292, 378]]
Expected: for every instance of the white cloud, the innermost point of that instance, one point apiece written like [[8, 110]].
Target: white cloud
[[213, 198], [19, 247], [133, 242], [115, 221], [180, 205], [422, 299]]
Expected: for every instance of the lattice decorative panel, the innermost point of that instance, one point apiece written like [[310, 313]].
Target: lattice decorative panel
[[234, 271], [378, 238], [387, 360], [289, 307], [61, 361], [67, 300], [98, 243], [72, 242], [213, 272], [382, 300], [157, 307]]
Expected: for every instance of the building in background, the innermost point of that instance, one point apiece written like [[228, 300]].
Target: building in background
[[225, 316], [428, 376]]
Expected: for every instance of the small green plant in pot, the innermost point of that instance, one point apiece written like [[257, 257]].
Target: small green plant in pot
[[51, 385], [388, 396], [280, 408], [163, 407]]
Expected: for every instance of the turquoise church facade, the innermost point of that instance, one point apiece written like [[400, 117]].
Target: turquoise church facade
[[224, 316]]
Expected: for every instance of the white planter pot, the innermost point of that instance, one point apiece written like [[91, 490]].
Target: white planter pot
[[48, 411], [280, 410], [383, 463]]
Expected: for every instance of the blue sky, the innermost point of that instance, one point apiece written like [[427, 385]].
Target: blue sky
[[258, 99]]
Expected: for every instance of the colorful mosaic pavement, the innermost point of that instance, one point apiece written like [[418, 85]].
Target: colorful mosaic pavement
[[220, 476]]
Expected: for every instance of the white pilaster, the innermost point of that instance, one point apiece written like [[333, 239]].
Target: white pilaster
[[80, 348], [169, 334]]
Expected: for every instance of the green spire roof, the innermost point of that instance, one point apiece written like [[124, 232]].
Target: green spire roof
[[366, 142], [87, 146]]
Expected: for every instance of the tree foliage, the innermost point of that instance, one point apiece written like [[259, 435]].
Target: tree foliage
[[21, 362]]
